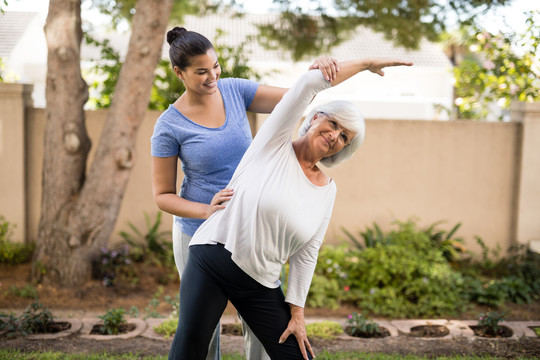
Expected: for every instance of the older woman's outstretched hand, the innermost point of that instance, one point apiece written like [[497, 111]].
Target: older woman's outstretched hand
[[297, 327], [376, 65]]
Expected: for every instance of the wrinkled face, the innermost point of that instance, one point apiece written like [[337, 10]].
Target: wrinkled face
[[328, 137], [203, 73]]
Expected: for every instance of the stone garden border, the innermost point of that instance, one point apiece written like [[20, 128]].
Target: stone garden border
[[88, 324], [76, 326], [145, 328]]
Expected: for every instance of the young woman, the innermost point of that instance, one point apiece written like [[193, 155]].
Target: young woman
[[208, 130], [280, 211]]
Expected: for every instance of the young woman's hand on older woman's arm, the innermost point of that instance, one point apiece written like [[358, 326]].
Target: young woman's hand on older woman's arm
[[328, 66], [297, 327]]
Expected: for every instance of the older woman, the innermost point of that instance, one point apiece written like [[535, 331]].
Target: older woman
[[280, 211]]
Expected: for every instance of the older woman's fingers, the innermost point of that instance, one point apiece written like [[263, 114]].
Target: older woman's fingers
[[284, 336], [301, 344], [308, 346]]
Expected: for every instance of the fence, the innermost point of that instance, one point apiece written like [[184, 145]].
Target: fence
[[485, 175]]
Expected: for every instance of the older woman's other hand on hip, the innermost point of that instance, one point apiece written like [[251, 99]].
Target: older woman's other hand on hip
[[297, 327]]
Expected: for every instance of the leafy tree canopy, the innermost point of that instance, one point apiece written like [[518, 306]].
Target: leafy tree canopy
[[497, 69], [308, 27]]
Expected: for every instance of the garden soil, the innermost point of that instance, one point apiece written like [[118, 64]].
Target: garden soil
[[152, 281]]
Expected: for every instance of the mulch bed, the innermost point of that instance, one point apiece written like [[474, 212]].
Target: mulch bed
[[429, 331], [486, 331], [99, 329]]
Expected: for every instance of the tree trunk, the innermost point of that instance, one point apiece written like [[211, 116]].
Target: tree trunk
[[78, 212]]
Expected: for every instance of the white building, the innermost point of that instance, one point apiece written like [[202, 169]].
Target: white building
[[417, 92]]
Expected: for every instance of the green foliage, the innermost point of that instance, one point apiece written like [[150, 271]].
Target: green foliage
[[122, 11], [27, 291], [167, 328], [404, 23], [491, 293], [407, 277], [493, 280], [371, 236], [153, 245], [9, 323], [111, 265], [35, 318], [408, 272], [107, 69], [304, 35], [491, 321], [451, 247], [536, 331], [323, 293], [151, 309], [498, 69], [113, 319], [324, 329], [13, 252], [523, 263], [359, 324]]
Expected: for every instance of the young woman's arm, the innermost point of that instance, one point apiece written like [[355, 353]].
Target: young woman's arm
[[164, 191]]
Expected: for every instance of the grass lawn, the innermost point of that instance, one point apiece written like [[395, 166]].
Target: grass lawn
[[16, 355]]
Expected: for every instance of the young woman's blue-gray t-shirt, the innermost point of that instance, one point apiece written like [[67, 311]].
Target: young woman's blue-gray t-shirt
[[209, 156]]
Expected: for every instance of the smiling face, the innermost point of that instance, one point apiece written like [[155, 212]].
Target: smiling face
[[202, 74], [327, 136]]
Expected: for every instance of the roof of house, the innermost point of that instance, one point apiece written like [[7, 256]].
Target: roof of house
[[237, 30], [363, 42], [13, 25]]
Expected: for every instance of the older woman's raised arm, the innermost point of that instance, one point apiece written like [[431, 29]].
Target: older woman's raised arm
[[350, 68]]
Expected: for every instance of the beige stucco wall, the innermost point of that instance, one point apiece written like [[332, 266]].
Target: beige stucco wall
[[456, 171], [13, 98]]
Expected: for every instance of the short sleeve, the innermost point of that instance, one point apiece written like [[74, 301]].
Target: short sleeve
[[163, 142]]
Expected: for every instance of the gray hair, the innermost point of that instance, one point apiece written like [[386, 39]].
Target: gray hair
[[348, 116]]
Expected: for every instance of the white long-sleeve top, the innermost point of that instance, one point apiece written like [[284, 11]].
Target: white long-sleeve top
[[276, 213]]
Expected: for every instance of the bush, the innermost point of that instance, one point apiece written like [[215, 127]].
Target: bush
[[323, 293], [113, 319], [324, 329], [35, 318], [359, 324], [167, 328], [154, 245], [407, 277], [402, 273], [27, 292], [13, 252]]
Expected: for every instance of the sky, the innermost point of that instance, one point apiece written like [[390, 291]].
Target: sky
[[493, 22]]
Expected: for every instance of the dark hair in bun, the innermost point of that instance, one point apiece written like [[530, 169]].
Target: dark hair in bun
[[184, 45]]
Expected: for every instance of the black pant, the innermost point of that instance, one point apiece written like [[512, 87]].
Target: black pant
[[210, 278]]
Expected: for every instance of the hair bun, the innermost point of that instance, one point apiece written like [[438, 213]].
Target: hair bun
[[175, 33]]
